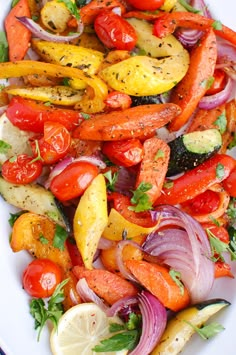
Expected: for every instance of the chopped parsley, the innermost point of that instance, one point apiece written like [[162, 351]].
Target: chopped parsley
[[72, 7], [140, 199], [220, 171], [176, 277], [207, 331], [218, 248], [3, 47], [189, 8], [217, 25], [60, 237], [4, 147], [221, 123], [111, 178]]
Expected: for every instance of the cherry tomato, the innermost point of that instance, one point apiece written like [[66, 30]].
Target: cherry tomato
[[41, 277], [229, 184], [21, 169], [206, 202], [30, 115], [114, 31], [54, 144], [146, 4], [124, 153], [118, 99], [222, 269], [218, 83], [219, 232], [73, 180]]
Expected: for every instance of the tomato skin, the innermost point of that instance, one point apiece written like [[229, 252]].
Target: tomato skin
[[219, 232], [30, 115], [147, 4], [117, 99], [206, 202], [73, 180], [55, 143], [75, 256], [21, 170], [229, 184], [124, 153], [41, 277], [114, 31], [218, 83]]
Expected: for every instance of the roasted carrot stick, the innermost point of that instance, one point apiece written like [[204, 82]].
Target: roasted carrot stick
[[167, 24], [154, 166], [157, 280], [135, 122], [89, 12], [105, 284], [205, 119], [193, 87], [18, 36]]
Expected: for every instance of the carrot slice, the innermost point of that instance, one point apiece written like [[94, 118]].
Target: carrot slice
[[193, 87], [154, 166], [105, 284], [18, 36], [157, 280], [135, 122]]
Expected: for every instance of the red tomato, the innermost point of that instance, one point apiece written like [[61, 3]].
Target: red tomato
[[41, 277], [124, 153], [114, 31], [229, 184], [218, 83], [206, 202], [73, 250], [118, 99], [30, 115], [219, 232], [73, 180], [146, 4], [21, 169], [54, 144]]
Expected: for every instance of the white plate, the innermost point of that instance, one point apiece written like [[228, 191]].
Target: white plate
[[17, 334]]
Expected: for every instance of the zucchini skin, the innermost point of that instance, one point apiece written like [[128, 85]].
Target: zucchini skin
[[145, 100], [182, 159]]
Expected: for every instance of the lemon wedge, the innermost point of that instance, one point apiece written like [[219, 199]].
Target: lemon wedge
[[80, 329]]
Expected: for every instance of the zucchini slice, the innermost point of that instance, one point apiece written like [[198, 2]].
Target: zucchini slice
[[191, 149], [178, 332], [34, 198]]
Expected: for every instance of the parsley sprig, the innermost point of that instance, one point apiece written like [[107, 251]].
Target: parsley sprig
[[52, 311], [218, 247], [140, 199], [72, 7], [207, 331]]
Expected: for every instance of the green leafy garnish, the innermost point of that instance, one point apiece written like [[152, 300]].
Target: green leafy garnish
[[81, 3], [60, 237], [176, 277], [217, 25], [37, 151], [140, 199], [189, 7], [14, 3], [207, 331], [112, 178], [127, 338], [4, 147], [85, 116], [66, 81], [221, 123], [231, 210], [3, 47], [71, 6], [207, 83], [232, 144], [43, 240], [220, 171], [14, 217], [168, 184], [47, 103], [159, 154], [53, 311], [218, 247]]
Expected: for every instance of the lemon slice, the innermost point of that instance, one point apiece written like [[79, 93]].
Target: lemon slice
[[80, 329]]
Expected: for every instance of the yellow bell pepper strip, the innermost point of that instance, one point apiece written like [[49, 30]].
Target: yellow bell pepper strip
[[168, 23], [194, 85], [88, 104]]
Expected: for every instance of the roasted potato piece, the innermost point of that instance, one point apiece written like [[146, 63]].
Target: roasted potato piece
[[55, 15]]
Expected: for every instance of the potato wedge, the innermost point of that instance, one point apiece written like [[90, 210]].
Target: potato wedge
[[152, 45], [143, 75], [55, 15]]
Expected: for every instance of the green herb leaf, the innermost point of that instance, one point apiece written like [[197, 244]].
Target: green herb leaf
[[189, 7], [41, 313], [221, 123], [232, 144], [168, 184], [47, 103], [176, 277], [81, 3], [217, 25], [66, 81], [231, 210], [207, 331], [14, 217], [159, 154], [4, 147], [43, 240], [3, 47], [134, 321], [85, 116], [71, 6], [140, 199], [125, 340], [220, 171], [112, 178], [14, 3], [207, 83], [60, 237], [218, 247]]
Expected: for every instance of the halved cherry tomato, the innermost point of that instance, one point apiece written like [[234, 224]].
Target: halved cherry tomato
[[219, 232], [30, 115], [206, 202], [146, 4], [116, 99], [114, 31], [218, 83], [21, 169], [229, 184], [223, 269], [73, 180], [41, 277], [124, 153], [54, 144]]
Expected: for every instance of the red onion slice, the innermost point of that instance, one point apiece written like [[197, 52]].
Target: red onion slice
[[212, 101], [119, 259], [39, 32], [87, 295]]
